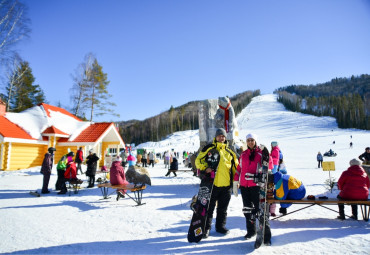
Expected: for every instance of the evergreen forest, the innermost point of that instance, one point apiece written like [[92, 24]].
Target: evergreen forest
[[345, 99]]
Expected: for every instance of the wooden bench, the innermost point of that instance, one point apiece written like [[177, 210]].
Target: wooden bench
[[364, 205], [136, 189]]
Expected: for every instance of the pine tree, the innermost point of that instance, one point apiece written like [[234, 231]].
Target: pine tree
[[21, 92], [91, 90]]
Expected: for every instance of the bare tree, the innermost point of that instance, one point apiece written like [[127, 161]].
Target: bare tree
[[81, 79], [14, 26]]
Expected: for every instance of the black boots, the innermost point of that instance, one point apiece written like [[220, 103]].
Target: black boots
[[282, 210], [222, 230]]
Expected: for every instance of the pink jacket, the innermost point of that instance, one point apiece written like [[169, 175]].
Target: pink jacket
[[247, 166], [275, 155], [117, 174], [354, 184]]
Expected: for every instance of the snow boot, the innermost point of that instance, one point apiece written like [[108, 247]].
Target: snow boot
[[282, 210], [206, 234], [249, 235], [222, 230]]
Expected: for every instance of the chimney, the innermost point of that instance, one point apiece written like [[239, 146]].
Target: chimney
[[2, 107]]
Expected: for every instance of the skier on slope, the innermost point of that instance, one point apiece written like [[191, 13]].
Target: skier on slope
[[222, 183], [250, 161]]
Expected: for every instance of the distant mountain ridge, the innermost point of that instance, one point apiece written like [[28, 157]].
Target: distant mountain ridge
[[346, 99], [184, 117]]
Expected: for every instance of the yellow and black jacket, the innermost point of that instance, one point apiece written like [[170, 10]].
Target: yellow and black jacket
[[226, 166]]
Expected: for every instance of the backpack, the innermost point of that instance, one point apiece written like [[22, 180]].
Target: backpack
[[280, 155]]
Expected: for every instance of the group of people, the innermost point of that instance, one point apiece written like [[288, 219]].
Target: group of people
[[67, 169], [235, 173]]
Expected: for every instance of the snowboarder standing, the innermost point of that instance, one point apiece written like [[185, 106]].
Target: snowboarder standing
[[221, 192], [46, 167], [250, 161]]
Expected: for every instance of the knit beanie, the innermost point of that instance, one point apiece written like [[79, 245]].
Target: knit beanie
[[220, 131], [355, 162], [273, 144]]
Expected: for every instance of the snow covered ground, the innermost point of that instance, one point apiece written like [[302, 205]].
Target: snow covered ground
[[82, 223]]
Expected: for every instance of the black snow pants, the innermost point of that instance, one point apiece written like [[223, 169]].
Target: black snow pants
[[222, 195]]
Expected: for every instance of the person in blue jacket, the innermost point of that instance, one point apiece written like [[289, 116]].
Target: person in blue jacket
[[287, 188], [319, 159]]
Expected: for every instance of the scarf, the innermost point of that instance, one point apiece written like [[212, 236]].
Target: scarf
[[226, 109]]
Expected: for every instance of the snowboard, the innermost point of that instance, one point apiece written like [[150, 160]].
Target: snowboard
[[35, 193], [263, 212], [201, 201]]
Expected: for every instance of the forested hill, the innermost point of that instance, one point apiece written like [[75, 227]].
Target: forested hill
[[346, 99], [184, 117]]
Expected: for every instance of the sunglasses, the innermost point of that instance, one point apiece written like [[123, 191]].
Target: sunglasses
[[250, 140]]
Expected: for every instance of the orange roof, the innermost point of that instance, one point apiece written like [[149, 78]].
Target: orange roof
[[48, 108], [9, 129], [91, 133], [53, 130]]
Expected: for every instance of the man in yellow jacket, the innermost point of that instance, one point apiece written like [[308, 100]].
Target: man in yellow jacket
[[222, 184]]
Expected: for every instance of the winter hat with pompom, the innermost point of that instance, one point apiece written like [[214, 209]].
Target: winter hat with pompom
[[355, 162]]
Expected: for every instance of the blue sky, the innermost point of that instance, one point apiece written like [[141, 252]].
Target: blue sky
[[159, 53]]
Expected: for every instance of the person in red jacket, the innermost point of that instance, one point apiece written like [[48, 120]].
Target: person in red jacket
[[71, 170], [117, 176], [79, 158], [353, 185]]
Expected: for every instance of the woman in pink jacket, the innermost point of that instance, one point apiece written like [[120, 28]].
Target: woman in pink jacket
[[249, 162], [354, 185], [117, 176]]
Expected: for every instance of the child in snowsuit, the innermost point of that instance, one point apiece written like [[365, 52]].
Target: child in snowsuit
[[354, 185], [71, 170], [173, 166]]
